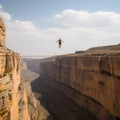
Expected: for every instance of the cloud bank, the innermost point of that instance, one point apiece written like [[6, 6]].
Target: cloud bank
[[79, 30], [86, 19]]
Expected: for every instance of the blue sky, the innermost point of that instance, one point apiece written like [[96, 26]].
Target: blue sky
[[33, 26], [39, 11]]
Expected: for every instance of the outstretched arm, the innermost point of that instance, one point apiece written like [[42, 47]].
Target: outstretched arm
[[59, 40]]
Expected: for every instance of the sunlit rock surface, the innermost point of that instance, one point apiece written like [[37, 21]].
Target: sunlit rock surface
[[17, 102], [90, 78], [9, 79], [2, 33]]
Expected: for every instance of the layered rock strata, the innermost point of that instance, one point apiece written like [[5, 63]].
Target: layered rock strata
[[91, 79], [29, 107], [2, 33], [9, 79], [17, 102]]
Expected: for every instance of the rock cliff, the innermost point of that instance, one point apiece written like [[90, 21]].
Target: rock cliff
[[2, 33], [9, 79], [29, 107], [28, 102], [90, 78], [17, 102]]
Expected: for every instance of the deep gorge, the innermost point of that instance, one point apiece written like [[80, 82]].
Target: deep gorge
[[58, 104], [84, 85], [89, 79]]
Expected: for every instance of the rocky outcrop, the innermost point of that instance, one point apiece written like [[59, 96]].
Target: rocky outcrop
[[90, 78], [17, 102], [2, 33], [29, 107], [9, 79], [28, 102]]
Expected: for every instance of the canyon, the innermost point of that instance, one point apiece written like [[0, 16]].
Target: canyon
[[84, 85], [90, 79]]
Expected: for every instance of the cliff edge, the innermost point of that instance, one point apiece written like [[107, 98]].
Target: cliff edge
[[17, 102], [90, 78]]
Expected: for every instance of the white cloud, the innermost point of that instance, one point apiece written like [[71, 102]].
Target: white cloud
[[4, 15], [86, 19], [90, 28], [79, 30]]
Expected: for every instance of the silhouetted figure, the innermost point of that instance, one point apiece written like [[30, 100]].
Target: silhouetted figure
[[59, 42]]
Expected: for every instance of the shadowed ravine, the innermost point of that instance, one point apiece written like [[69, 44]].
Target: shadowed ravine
[[59, 106]]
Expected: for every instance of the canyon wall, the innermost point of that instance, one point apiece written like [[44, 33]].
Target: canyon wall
[[9, 79], [90, 78], [32, 64], [17, 102]]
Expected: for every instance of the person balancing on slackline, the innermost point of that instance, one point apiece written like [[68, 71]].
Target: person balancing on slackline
[[59, 42]]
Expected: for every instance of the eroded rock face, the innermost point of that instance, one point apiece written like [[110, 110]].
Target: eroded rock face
[[91, 80], [9, 79], [34, 109], [2, 33], [17, 102]]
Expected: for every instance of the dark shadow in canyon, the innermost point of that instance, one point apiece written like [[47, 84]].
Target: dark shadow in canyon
[[59, 106]]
